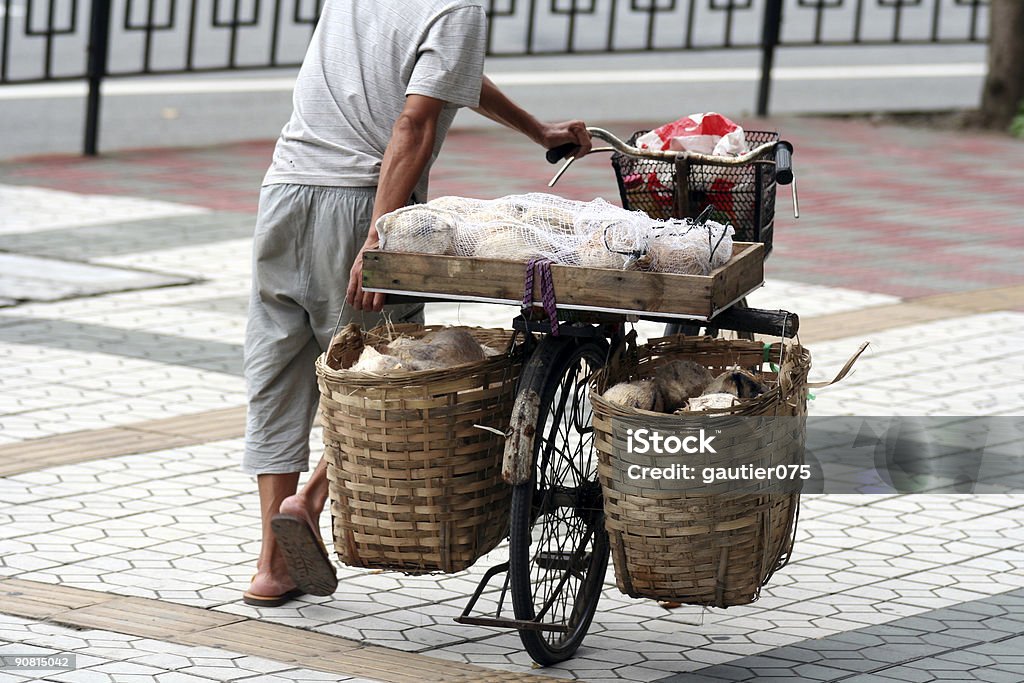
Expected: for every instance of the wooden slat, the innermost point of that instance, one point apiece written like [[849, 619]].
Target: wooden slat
[[913, 312], [978, 301], [285, 643], [575, 288], [323, 652], [215, 425], [141, 437], [406, 661], [36, 600], [395, 666], [81, 440], [147, 618], [376, 669], [81, 446], [79, 608], [868, 321]]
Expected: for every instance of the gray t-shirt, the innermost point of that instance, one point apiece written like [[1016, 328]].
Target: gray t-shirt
[[365, 57]]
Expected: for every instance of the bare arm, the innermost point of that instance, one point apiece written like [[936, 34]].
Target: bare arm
[[406, 157], [496, 106]]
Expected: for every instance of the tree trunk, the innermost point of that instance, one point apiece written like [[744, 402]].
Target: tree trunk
[[1003, 92]]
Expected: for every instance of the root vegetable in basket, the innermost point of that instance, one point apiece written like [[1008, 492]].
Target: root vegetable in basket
[[678, 253], [511, 207], [460, 206], [418, 229], [372, 360], [683, 386], [592, 253], [440, 349], [614, 243], [551, 219], [738, 383], [513, 242], [591, 234], [643, 395], [689, 248], [708, 402], [436, 350], [725, 391], [680, 381]]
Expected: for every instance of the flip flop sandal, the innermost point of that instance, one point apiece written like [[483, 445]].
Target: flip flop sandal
[[304, 554], [271, 600]]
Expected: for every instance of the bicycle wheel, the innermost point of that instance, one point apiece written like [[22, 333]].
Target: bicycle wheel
[[558, 548]]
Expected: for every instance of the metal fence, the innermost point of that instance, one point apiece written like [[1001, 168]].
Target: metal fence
[[52, 40]]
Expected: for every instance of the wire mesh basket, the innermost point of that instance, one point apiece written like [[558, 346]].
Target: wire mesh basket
[[743, 196]]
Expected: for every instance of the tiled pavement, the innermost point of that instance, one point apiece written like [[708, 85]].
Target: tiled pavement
[[109, 656], [976, 640], [881, 588]]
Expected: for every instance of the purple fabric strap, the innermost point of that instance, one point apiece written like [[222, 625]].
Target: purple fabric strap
[[541, 267]]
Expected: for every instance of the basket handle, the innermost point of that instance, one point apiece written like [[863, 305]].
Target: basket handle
[[842, 372]]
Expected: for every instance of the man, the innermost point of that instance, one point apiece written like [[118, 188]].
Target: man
[[377, 91]]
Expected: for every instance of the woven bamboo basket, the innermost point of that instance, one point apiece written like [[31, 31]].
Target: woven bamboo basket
[[415, 485], [695, 547]]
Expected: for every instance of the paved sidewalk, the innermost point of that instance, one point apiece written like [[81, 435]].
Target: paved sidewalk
[[121, 405]]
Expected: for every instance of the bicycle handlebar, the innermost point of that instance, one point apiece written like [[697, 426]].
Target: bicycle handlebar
[[783, 157], [556, 154], [783, 162], [563, 151]]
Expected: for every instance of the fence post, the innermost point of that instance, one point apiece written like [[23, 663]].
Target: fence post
[[98, 50], [771, 30]]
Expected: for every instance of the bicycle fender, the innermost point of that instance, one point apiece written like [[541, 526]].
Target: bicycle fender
[[517, 466]]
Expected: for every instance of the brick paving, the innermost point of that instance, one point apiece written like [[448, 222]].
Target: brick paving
[[881, 588]]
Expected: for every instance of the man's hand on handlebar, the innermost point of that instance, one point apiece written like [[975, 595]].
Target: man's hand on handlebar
[[554, 135]]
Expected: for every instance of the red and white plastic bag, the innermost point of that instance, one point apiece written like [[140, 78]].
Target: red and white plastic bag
[[709, 133]]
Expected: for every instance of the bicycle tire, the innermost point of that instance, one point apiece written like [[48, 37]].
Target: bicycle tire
[[547, 515]]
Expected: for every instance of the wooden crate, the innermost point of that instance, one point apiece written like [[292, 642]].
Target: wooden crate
[[584, 289]]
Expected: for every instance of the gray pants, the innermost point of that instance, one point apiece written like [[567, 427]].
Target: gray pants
[[306, 240]]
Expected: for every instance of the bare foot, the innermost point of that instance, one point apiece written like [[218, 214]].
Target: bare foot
[[270, 583], [298, 539], [272, 578], [299, 506]]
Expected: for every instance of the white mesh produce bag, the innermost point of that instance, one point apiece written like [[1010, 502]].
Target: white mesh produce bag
[[688, 247], [592, 234], [418, 228]]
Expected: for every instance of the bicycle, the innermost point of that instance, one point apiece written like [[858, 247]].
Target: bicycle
[[558, 547]]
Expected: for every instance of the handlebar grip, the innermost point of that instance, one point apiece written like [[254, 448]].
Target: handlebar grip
[[783, 162], [556, 154]]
